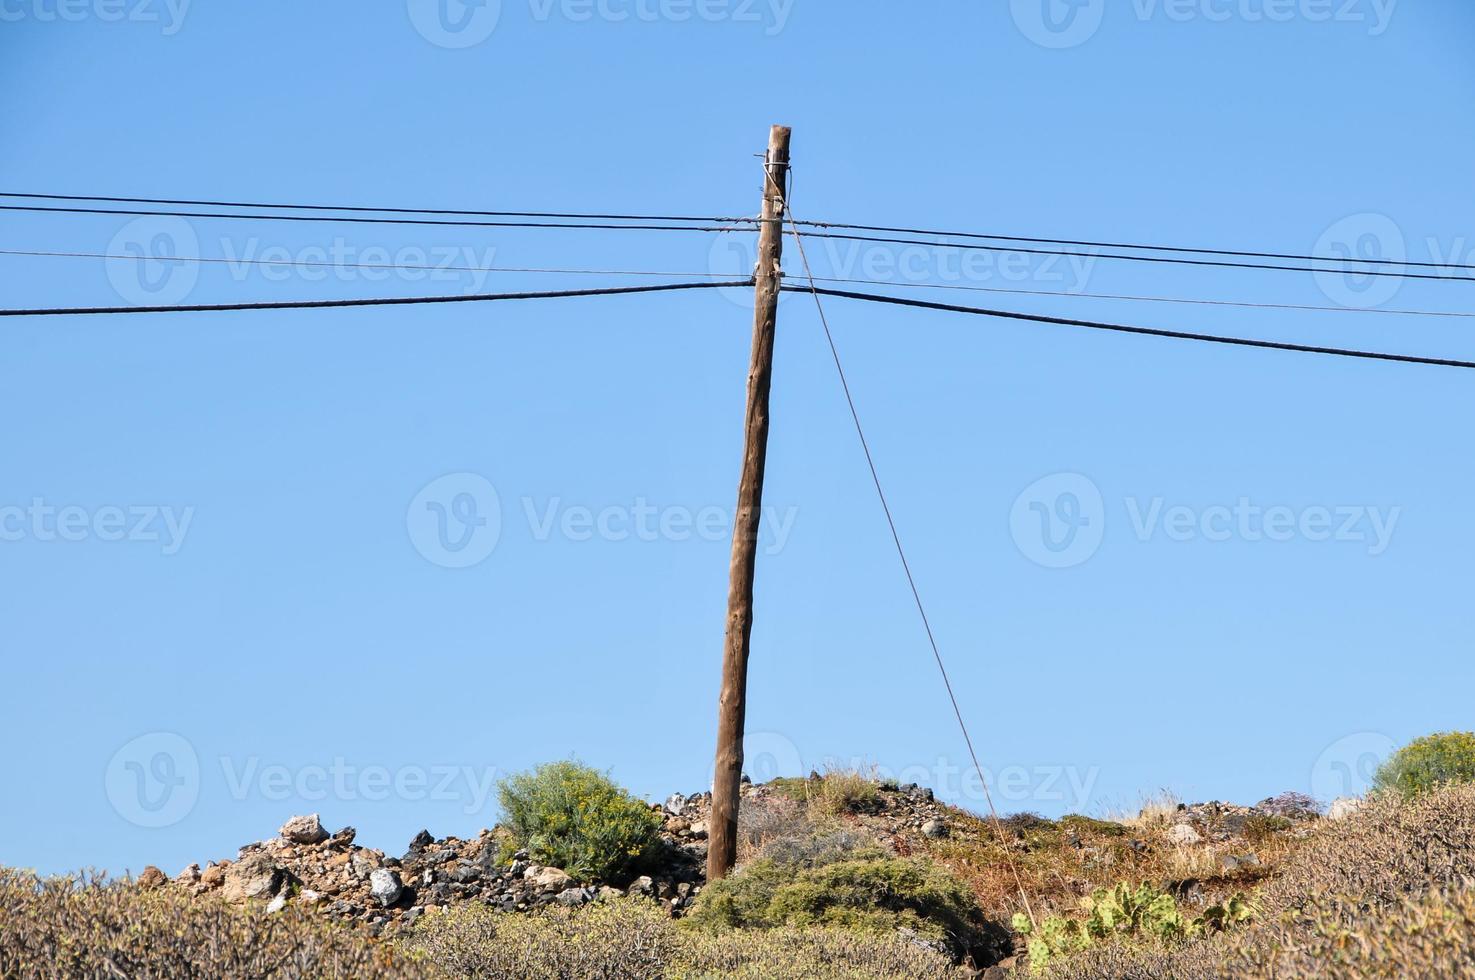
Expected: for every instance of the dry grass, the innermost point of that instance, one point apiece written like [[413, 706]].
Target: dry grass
[[84, 928], [1389, 892], [635, 939]]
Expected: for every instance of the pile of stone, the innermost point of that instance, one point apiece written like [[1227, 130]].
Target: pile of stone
[[306, 866]]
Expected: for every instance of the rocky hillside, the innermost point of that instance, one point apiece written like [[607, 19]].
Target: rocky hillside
[[1202, 850]]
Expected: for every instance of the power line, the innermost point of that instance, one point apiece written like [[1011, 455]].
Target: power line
[[1142, 299], [1158, 259], [605, 226], [1144, 331], [340, 207], [1148, 248], [907, 568], [414, 267], [392, 301], [403, 266]]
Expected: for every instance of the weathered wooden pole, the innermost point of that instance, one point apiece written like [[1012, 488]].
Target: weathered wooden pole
[[732, 704]]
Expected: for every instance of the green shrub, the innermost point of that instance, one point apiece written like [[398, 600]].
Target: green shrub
[[573, 817], [1428, 763], [862, 889]]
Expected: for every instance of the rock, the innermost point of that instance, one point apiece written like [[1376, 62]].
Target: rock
[[343, 840], [936, 829], [548, 879], [606, 893], [573, 896], [386, 887], [1343, 808], [466, 874], [1184, 835], [421, 841], [213, 876], [251, 877], [678, 825], [309, 897], [277, 904], [152, 877], [643, 886], [189, 876], [304, 830], [365, 863], [699, 829]]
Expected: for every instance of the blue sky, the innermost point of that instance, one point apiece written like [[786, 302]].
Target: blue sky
[[296, 639]]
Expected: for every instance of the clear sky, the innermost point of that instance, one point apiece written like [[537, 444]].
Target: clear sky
[[229, 581]]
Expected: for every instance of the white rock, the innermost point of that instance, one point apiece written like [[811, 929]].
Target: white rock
[[385, 886], [277, 904], [304, 830], [549, 879], [1184, 834], [1343, 808]]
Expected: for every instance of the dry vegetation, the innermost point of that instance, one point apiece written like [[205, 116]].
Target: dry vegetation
[[831, 872], [84, 928], [633, 939], [1389, 892]]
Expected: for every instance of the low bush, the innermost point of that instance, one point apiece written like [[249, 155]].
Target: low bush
[[616, 939], [1428, 763], [78, 928], [1389, 850], [1384, 893], [637, 939], [845, 791], [859, 887], [810, 954], [573, 817]]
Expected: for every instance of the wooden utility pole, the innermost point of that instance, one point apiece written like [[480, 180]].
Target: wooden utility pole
[[732, 704]]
